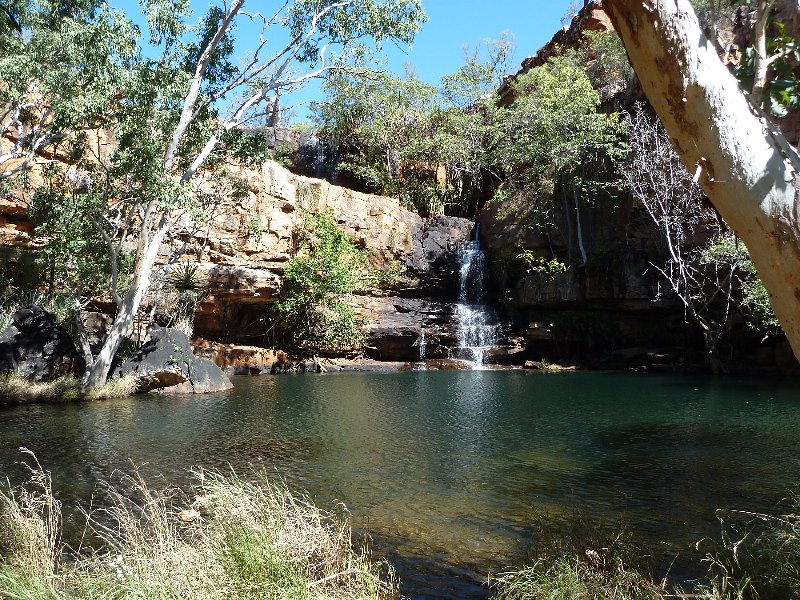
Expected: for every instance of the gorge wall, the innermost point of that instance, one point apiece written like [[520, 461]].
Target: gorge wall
[[606, 311]]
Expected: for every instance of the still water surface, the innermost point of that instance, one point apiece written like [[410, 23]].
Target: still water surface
[[448, 471]]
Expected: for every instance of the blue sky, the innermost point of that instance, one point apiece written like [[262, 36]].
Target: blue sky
[[438, 48], [453, 23]]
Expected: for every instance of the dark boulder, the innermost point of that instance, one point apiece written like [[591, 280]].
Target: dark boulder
[[396, 343], [205, 377], [36, 347], [166, 360]]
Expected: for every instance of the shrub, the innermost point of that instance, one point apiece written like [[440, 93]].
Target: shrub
[[328, 267]]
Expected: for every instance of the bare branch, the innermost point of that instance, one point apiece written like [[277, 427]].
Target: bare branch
[[194, 88]]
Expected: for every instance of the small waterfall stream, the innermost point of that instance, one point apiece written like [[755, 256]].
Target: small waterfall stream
[[478, 325]]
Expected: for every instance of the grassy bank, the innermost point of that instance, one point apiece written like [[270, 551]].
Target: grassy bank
[[756, 557], [232, 539], [18, 390]]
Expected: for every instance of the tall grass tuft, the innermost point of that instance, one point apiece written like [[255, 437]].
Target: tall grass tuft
[[577, 558], [30, 527], [234, 539], [756, 558], [757, 555], [572, 578], [15, 389]]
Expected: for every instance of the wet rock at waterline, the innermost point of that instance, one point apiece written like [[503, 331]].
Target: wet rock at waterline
[[204, 378], [167, 360], [36, 347]]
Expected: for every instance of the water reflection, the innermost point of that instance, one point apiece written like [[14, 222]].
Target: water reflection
[[448, 472]]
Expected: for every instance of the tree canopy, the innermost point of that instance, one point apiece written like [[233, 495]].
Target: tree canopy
[[74, 66]]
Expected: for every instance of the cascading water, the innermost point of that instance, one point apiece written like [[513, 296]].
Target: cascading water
[[478, 326]]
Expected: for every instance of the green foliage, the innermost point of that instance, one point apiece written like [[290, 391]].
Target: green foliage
[[783, 87], [283, 155], [554, 125], [374, 117], [257, 227], [397, 20], [483, 70], [250, 147], [439, 149], [539, 265], [62, 59], [408, 139], [72, 250], [609, 71], [726, 249], [328, 267]]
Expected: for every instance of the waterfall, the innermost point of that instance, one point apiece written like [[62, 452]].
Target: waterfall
[[478, 327]]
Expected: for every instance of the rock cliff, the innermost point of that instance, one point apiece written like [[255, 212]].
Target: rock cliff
[[252, 231]]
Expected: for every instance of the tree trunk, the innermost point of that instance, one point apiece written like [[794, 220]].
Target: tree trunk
[[761, 63], [578, 227], [145, 260], [746, 167]]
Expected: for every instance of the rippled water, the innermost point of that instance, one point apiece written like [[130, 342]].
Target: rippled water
[[447, 471]]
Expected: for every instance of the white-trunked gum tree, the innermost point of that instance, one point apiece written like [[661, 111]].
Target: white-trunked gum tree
[[739, 157], [169, 100]]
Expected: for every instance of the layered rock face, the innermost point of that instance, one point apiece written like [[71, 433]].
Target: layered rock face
[[253, 231], [250, 230]]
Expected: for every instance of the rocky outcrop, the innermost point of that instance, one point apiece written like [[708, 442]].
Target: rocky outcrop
[[36, 347], [252, 232], [254, 217], [166, 362], [592, 17], [239, 359]]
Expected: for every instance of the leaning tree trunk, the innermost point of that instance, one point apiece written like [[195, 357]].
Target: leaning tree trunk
[[744, 164], [146, 256]]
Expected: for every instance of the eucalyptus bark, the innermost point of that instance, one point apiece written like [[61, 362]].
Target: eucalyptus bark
[[146, 255], [744, 164], [762, 61]]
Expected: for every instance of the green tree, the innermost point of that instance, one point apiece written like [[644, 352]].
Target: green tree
[[485, 66], [554, 124], [428, 146], [165, 113], [60, 66], [375, 118]]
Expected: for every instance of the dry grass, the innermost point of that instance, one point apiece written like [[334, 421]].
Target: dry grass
[[118, 387], [19, 390], [235, 539]]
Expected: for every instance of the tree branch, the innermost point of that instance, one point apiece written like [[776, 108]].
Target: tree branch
[[194, 88]]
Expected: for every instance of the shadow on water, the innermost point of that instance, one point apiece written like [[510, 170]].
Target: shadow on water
[[450, 473]]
